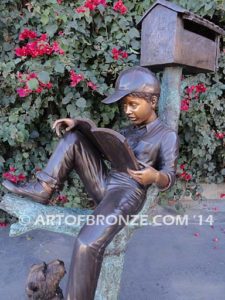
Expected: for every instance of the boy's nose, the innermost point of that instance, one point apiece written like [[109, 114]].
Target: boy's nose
[[127, 110]]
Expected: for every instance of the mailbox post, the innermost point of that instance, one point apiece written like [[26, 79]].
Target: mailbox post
[[175, 40]]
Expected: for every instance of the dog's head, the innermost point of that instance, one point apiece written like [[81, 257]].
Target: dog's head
[[43, 280]]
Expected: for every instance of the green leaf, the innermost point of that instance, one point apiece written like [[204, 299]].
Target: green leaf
[[133, 33], [51, 29], [13, 118], [44, 77], [33, 84], [7, 46], [81, 103], [59, 68], [44, 19], [72, 111], [67, 99]]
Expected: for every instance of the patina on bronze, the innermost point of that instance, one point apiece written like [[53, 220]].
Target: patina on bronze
[[115, 193]]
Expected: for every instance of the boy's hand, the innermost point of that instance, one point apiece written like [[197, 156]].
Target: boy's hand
[[63, 124], [145, 176]]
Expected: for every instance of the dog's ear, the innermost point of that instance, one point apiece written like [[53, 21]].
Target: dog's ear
[[33, 287]]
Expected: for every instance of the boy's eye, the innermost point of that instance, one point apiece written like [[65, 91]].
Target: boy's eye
[[134, 105]]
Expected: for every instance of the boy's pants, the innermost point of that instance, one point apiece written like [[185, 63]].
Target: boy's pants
[[116, 195]]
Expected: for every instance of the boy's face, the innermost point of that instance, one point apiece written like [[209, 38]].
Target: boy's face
[[138, 110]]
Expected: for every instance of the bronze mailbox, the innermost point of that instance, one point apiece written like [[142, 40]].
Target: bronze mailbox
[[173, 36]]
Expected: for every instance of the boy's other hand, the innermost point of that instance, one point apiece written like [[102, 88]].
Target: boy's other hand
[[145, 176]]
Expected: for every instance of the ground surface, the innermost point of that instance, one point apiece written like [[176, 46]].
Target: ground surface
[[168, 262]]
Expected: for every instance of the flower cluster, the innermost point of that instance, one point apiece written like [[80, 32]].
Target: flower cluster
[[76, 78], [11, 175], [197, 89], [91, 5], [25, 90], [119, 54], [120, 7], [27, 34], [38, 47], [192, 91], [185, 104], [219, 135], [184, 175], [61, 199]]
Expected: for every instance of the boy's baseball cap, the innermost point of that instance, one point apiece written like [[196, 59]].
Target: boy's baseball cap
[[135, 79]]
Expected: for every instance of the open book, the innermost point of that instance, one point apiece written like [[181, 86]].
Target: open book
[[110, 143]]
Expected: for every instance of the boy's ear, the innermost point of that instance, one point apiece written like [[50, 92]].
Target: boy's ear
[[154, 101]]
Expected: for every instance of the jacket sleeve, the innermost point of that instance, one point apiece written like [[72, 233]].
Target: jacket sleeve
[[169, 151]]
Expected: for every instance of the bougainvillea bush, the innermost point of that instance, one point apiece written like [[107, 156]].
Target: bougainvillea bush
[[60, 58]]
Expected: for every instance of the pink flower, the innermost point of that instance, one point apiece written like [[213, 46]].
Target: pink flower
[[197, 234], [49, 85], [124, 54], [31, 76], [188, 177], [56, 48], [75, 78], [59, 1], [21, 51], [62, 199], [115, 53], [3, 224], [182, 167], [39, 47], [90, 4], [185, 176], [81, 9], [120, 7], [190, 89], [27, 34], [12, 177], [23, 92], [61, 33], [184, 105], [92, 85], [9, 176], [200, 88], [43, 37], [222, 196], [219, 135], [21, 177], [119, 54], [38, 90]]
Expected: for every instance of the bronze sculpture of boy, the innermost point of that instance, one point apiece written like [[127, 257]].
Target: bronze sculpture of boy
[[115, 193]]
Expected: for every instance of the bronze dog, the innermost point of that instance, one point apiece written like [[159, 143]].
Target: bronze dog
[[43, 281]]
